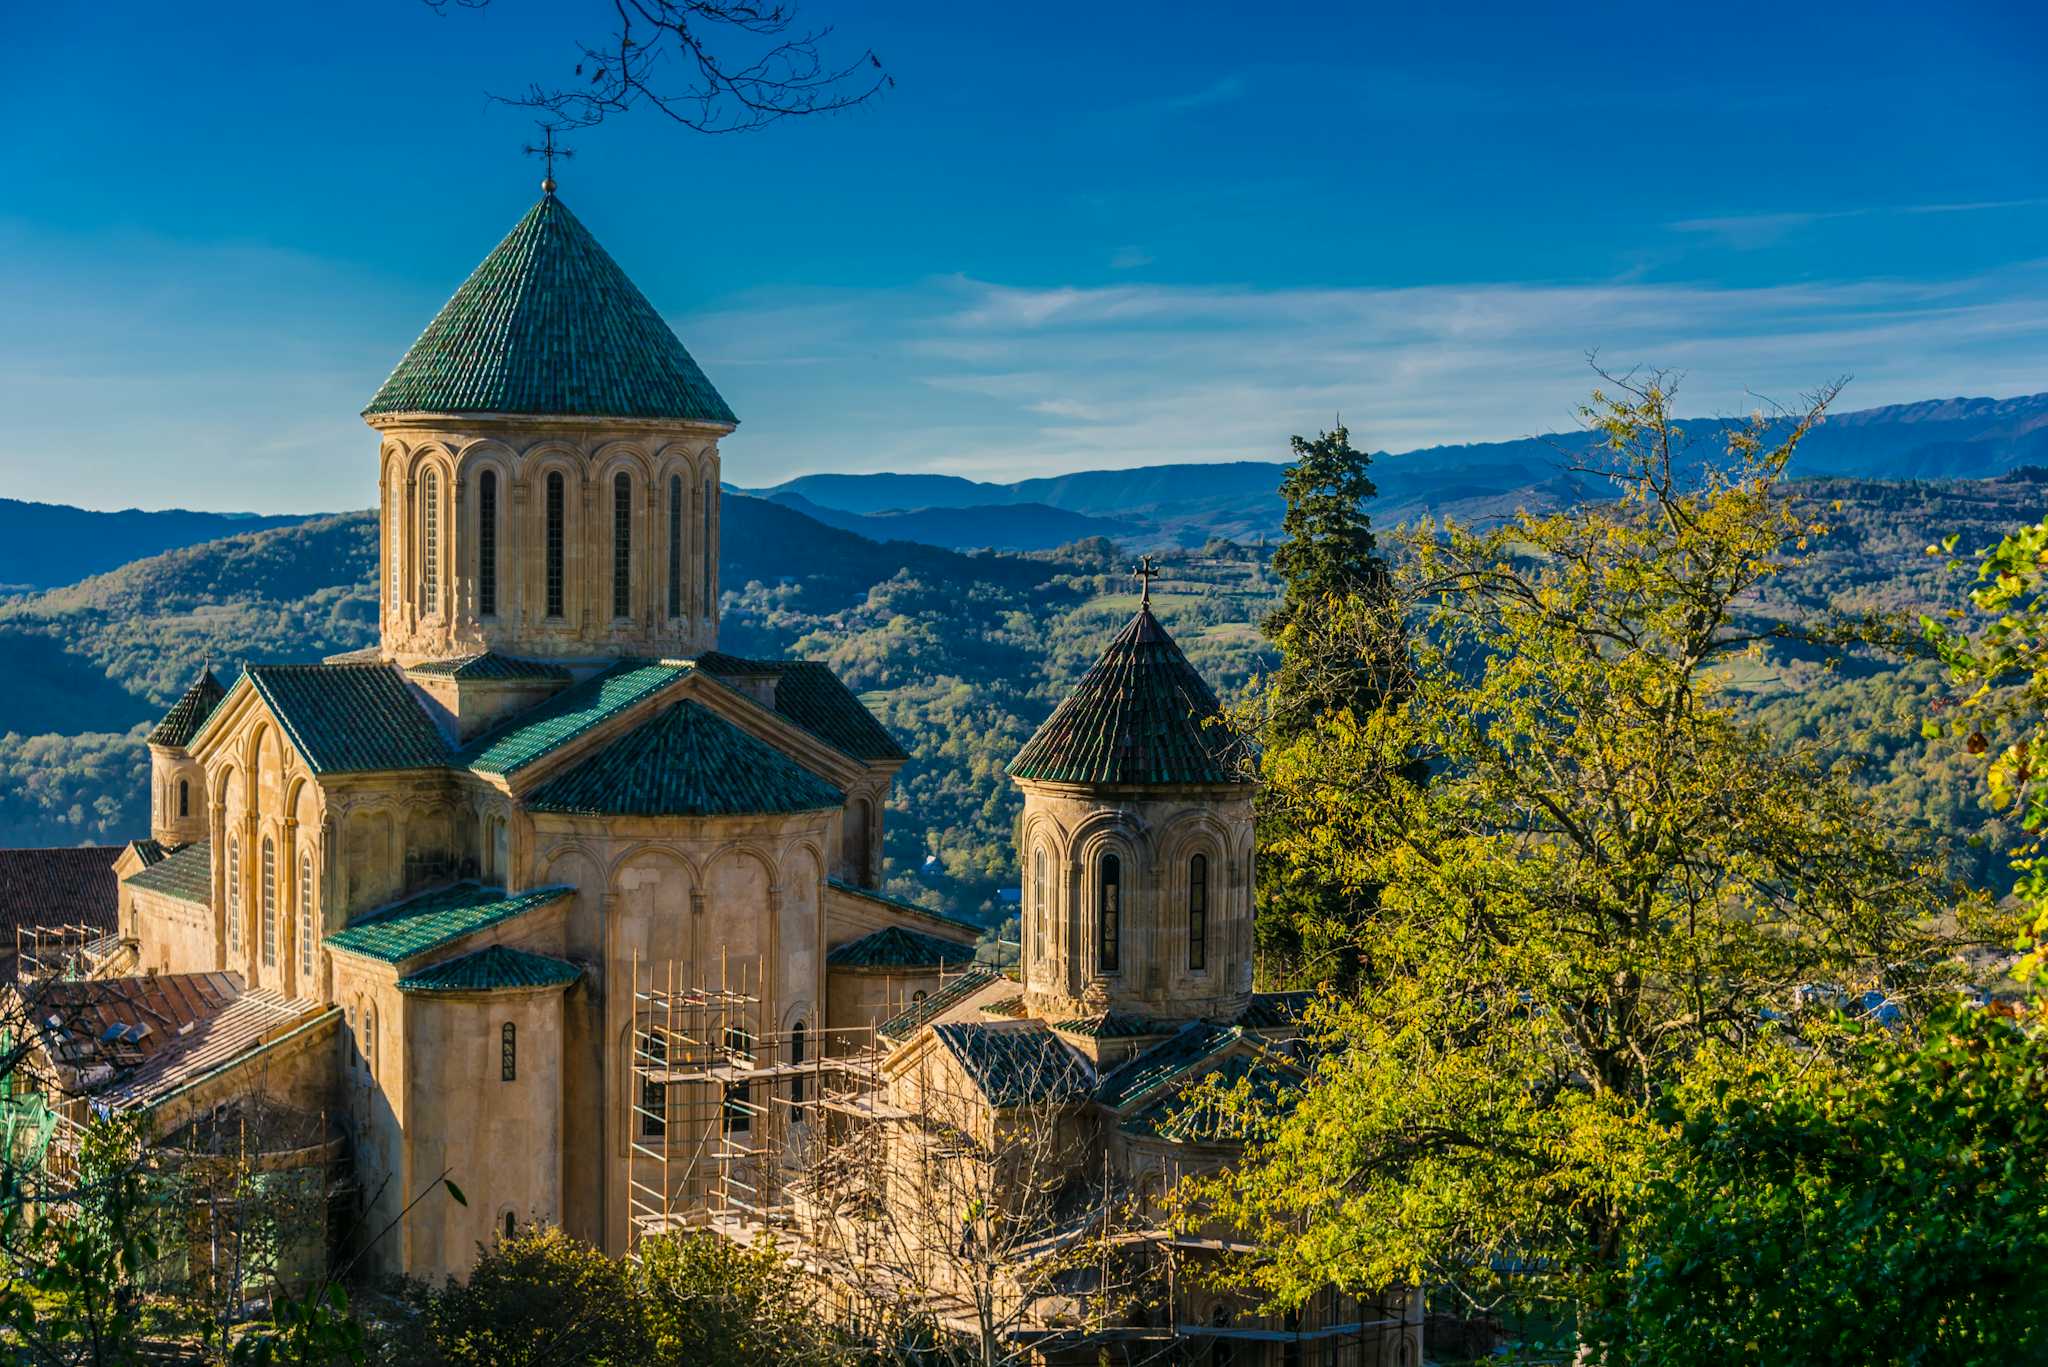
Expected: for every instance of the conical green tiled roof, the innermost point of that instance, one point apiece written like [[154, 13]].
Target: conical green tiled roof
[[1140, 715], [190, 712], [549, 325]]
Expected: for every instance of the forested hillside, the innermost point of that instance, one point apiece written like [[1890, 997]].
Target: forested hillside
[[962, 655]]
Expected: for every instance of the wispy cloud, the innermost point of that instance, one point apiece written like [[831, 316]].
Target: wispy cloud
[[1747, 232], [1129, 258], [1222, 90]]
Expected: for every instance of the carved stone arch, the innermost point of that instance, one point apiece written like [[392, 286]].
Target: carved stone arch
[[1113, 822], [759, 853], [571, 849], [485, 451], [1094, 839], [812, 846], [613, 456], [666, 852], [430, 453], [1046, 826], [223, 780], [1192, 831], [392, 454]]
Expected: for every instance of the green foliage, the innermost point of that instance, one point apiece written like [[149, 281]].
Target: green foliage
[[1883, 1202], [1610, 869], [710, 1301]]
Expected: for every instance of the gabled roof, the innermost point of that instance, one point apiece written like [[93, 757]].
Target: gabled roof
[[1165, 1063], [1114, 1025], [1017, 1065], [494, 968], [685, 761], [899, 947], [561, 719], [350, 718], [189, 712], [906, 1023], [65, 885], [549, 325], [149, 850], [1140, 715], [488, 664], [811, 697], [899, 904], [435, 918], [1185, 1119], [185, 874]]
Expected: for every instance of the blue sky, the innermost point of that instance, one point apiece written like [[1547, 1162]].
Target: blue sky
[[1072, 237]]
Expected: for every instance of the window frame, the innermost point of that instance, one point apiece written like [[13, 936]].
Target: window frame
[[1109, 906], [1198, 912], [508, 1052], [622, 546], [554, 543], [487, 543], [267, 890], [675, 547]]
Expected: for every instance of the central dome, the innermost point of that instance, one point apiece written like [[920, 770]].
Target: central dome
[[549, 326]]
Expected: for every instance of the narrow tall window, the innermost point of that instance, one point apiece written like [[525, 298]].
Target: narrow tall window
[[305, 919], [653, 1091], [508, 1052], [269, 903], [234, 896], [370, 1040], [1198, 913], [704, 511], [796, 1056], [1108, 912], [430, 543], [622, 545], [1038, 912], [394, 526], [184, 798], [675, 545], [487, 544], [554, 543], [511, 1223], [739, 1096]]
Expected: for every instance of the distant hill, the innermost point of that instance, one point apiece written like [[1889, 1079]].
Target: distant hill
[[43, 544], [1963, 438], [1001, 527]]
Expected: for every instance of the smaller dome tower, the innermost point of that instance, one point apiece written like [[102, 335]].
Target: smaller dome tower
[[177, 782], [1136, 843]]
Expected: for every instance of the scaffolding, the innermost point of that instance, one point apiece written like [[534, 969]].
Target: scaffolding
[[64, 951]]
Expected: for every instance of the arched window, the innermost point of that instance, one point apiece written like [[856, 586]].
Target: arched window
[[653, 1092], [234, 895], [370, 1040], [796, 1056], [704, 534], [184, 798], [305, 918], [1038, 912], [1198, 913], [917, 998], [622, 545], [487, 544], [739, 1096], [675, 545], [1220, 1354], [1108, 912], [553, 540], [508, 1052], [394, 526], [269, 903], [430, 542], [511, 1224]]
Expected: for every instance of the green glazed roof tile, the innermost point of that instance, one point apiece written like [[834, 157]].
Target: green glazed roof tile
[[907, 1023], [433, 919], [899, 947], [811, 697], [685, 761], [1274, 1010], [567, 715], [350, 718], [1188, 1119], [1113, 1025], [190, 712], [495, 968], [1140, 715], [488, 664], [186, 873], [1164, 1062], [548, 324], [899, 904], [1017, 1065]]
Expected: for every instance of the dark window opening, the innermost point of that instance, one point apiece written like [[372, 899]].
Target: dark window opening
[[653, 1091], [675, 545], [487, 544], [508, 1053], [622, 545], [739, 1096], [555, 514], [1198, 912], [1108, 913], [796, 1056], [184, 798]]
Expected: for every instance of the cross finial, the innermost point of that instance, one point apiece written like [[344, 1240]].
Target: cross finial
[[1145, 574], [549, 151]]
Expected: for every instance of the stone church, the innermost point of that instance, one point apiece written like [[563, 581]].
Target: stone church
[[430, 889]]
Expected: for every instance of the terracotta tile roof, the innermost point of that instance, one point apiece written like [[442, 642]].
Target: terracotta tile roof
[[350, 718], [190, 712], [685, 761], [899, 947], [435, 918], [1017, 1065], [549, 324], [1163, 1063], [907, 1023], [136, 1040], [562, 718], [899, 904], [494, 968], [1140, 715], [488, 664], [70, 885], [186, 873]]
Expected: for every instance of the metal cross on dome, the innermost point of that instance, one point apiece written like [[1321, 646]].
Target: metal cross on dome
[[548, 150], [1145, 574]]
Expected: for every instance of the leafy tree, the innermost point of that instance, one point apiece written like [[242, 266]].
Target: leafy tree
[[1610, 869], [1885, 1203], [712, 1302], [537, 1297]]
